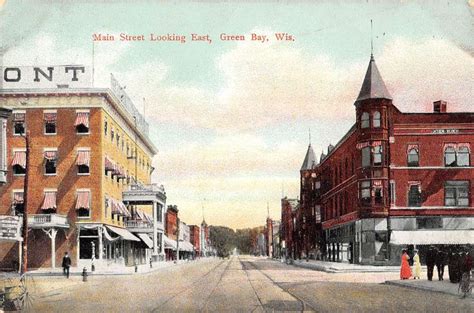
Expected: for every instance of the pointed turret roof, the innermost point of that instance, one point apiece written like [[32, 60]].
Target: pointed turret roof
[[309, 159], [373, 86]]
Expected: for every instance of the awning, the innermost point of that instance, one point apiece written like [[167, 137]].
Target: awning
[[83, 158], [49, 202], [51, 155], [82, 118], [18, 198], [432, 237], [125, 234], [83, 200], [146, 239], [50, 117], [185, 246], [169, 244], [19, 158], [109, 164]]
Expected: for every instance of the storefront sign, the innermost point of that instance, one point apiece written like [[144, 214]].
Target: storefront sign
[[54, 76], [10, 227], [445, 131]]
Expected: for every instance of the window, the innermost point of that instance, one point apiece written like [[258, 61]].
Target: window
[[457, 154], [377, 155], [378, 195], [377, 121], [365, 192], [50, 162], [392, 192], [19, 163], [118, 139], [128, 150], [456, 193], [413, 156], [159, 213], [365, 120], [83, 161], [50, 123], [82, 123], [429, 222], [463, 156], [414, 195], [112, 135], [366, 157], [449, 156], [83, 207], [105, 127], [18, 203], [18, 123]]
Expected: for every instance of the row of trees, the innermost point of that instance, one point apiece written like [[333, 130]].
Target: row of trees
[[225, 239]]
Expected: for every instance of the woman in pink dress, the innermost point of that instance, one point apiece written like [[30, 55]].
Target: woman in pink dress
[[405, 271]]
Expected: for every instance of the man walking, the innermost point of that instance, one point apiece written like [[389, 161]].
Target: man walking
[[430, 261], [440, 263], [66, 264]]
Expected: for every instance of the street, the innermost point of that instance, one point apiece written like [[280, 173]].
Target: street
[[238, 284]]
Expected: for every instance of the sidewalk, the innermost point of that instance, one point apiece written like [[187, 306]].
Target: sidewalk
[[114, 270], [443, 286], [335, 267]]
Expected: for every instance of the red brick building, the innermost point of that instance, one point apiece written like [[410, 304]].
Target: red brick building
[[194, 231], [394, 180], [171, 231], [289, 244]]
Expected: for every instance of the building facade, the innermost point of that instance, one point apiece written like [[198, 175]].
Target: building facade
[[195, 239], [395, 180], [288, 230], [87, 147]]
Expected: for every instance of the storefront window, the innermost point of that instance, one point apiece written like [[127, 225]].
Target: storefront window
[[456, 193]]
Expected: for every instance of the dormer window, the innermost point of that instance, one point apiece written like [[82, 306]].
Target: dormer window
[[377, 119], [365, 120]]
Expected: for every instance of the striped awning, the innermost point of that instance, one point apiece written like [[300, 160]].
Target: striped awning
[[49, 202], [83, 158], [51, 155], [50, 117], [464, 145], [411, 146], [109, 164], [18, 198], [82, 118], [83, 200], [19, 158], [148, 218], [18, 117], [124, 209]]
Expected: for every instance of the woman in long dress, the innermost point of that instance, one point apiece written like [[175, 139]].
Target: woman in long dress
[[416, 265], [405, 271]]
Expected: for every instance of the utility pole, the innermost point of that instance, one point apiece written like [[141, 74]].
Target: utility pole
[[24, 261]]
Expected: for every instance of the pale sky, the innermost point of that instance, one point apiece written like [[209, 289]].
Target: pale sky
[[231, 119]]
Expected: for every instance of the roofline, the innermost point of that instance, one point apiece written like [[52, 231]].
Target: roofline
[[339, 143], [107, 92]]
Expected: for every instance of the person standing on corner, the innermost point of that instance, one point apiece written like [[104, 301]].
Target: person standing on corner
[[430, 261], [66, 264], [416, 265], [405, 271], [440, 263]]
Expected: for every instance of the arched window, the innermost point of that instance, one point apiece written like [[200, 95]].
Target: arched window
[[449, 156], [365, 120], [377, 121], [413, 157], [463, 156]]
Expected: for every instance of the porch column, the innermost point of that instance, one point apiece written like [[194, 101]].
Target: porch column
[[52, 235], [78, 244], [101, 243], [155, 228]]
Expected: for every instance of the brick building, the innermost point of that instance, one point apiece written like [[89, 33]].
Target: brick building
[[289, 244], [195, 236], [394, 180], [171, 231], [87, 147]]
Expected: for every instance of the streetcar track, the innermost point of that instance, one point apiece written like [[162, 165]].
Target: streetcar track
[[215, 287], [181, 291], [253, 287], [303, 303]]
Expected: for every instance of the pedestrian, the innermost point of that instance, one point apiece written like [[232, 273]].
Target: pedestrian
[[66, 264], [465, 285], [430, 261], [440, 263], [417, 265], [467, 266], [451, 266], [405, 271], [457, 267]]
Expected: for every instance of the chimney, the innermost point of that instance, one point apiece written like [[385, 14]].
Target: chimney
[[440, 106]]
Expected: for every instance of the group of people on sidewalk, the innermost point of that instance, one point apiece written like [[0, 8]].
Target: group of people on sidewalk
[[459, 266]]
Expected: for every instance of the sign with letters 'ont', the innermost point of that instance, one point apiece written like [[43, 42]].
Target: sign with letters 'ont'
[[54, 76]]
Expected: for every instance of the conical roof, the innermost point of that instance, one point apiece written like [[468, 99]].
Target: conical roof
[[373, 86], [309, 159]]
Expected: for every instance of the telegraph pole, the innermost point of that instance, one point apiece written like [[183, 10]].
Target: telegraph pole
[[24, 261]]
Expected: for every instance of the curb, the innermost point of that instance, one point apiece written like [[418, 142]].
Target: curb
[[336, 270], [424, 288]]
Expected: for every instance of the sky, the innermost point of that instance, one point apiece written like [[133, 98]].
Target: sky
[[231, 119]]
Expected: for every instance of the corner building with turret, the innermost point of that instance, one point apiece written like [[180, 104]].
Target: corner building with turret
[[395, 180]]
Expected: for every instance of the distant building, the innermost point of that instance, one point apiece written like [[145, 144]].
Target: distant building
[[171, 232], [195, 239], [288, 242]]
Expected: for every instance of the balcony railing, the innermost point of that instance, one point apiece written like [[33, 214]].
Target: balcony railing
[[47, 220], [138, 226], [149, 187]]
